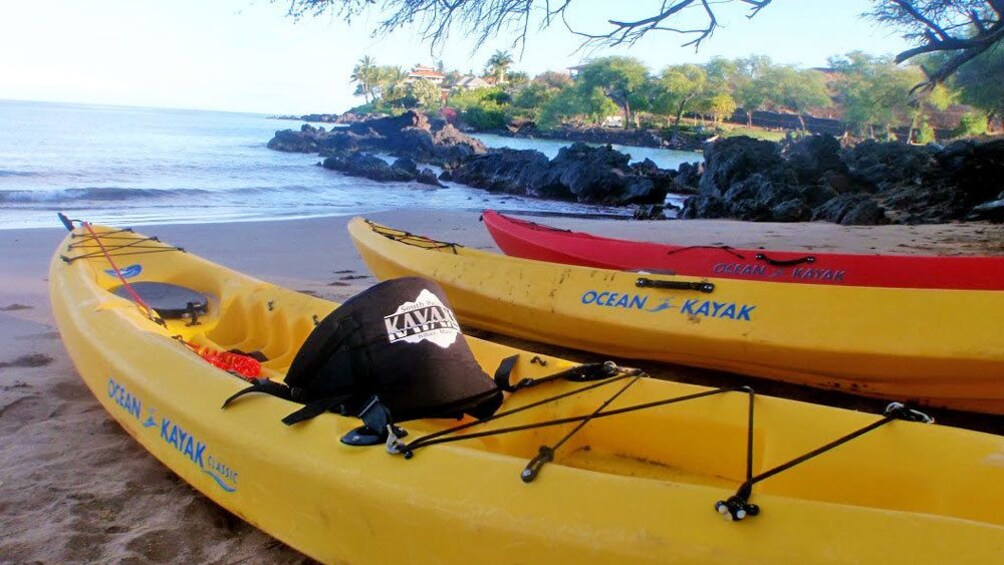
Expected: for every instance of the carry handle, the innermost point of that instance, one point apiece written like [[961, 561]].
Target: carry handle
[[705, 287], [785, 262]]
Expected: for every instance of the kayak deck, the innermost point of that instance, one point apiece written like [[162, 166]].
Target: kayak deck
[[640, 485]]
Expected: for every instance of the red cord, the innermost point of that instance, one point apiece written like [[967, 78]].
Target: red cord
[[242, 365], [132, 292]]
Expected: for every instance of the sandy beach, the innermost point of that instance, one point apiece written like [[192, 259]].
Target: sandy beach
[[74, 487]]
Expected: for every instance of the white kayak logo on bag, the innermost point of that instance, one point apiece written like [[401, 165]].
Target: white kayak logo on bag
[[425, 318]]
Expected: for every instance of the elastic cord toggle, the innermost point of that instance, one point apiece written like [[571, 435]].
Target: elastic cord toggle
[[902, 412], [544, 455], [736, 508]]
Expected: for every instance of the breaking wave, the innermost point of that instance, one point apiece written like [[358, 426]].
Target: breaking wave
[[110, 194]]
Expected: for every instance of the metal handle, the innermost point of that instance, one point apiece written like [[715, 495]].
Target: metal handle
[[704, 287]]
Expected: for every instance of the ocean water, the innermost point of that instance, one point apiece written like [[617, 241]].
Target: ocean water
[[141, 166]]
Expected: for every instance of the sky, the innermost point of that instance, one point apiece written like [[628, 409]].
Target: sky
[[248, 56]]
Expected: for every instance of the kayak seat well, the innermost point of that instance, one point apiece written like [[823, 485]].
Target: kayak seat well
[[260, 321]]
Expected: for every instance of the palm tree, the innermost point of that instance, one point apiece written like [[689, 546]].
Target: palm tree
[[498, 64], [364, 73]]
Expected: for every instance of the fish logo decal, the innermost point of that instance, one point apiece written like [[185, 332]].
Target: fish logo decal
[[127, 272]]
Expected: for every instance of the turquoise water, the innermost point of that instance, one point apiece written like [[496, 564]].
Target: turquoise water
[[147, 166]]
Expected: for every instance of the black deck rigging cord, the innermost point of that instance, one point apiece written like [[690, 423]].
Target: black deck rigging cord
[[736, 507], [545, 453], [726, 248], [409, 238]]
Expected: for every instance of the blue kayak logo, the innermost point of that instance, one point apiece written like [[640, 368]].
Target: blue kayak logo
[[127, 273], [691, 307], [183, 441]]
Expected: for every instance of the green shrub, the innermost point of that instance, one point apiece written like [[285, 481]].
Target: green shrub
[[972, 124], [486, 116], [925, 134]]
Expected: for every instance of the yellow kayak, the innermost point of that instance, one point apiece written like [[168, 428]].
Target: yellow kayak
[[631, 485], [930, 346]]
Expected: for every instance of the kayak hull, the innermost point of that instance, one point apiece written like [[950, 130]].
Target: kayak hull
[[635, 489], [934, 347], [530, 240]]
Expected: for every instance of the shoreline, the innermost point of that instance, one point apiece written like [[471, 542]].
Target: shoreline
[[75, 487]]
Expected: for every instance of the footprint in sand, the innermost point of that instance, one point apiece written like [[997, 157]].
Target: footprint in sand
[[32, 360]]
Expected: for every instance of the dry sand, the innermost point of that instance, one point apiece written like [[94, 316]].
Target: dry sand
[[75, 487]]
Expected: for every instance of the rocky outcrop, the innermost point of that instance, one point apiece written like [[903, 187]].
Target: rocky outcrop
[[579, 172], [304, 141], [857, 209], [756, 180], [870, 183], [367, 166], [511, 171], [410, 135], [359, 164]]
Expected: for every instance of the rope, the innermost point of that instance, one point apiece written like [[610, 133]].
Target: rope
[[437, 437], [409, 238], [150, 313], [546, 454], [243, 366], [726, 248], [738, 506]]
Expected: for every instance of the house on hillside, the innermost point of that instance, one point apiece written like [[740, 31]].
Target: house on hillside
[[471, 82], [425, 73]]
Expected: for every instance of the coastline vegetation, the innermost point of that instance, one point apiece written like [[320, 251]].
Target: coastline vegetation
[[870, 95]]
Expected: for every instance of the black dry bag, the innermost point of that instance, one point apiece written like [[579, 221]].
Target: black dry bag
[[391, 353]]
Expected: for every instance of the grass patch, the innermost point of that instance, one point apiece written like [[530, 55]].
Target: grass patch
[[754, 132]]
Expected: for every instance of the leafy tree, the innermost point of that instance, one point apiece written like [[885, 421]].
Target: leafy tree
[[364, 74], [481, 108], [960, 29], [619, 78], [423, 94], [874, 91], [751, 84], [576, 101], [972, 123], [389, 79], [979, 83], [553, 80], [452, 78], [721, 106], [797, 90], [721, 76], [678, 87], [529, 101], [498, 64], [517, 79]]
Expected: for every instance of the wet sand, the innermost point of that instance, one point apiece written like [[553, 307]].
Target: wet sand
[[75, 487]]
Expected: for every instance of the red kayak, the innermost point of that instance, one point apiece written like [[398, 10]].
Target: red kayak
[[530, 240]]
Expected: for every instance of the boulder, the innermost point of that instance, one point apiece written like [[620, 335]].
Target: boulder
[[596, 175], [851, 210], [367, 166], [406, 164], [427, 176], [886, 165], [734, 159], [502, 170], [294, 141]]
